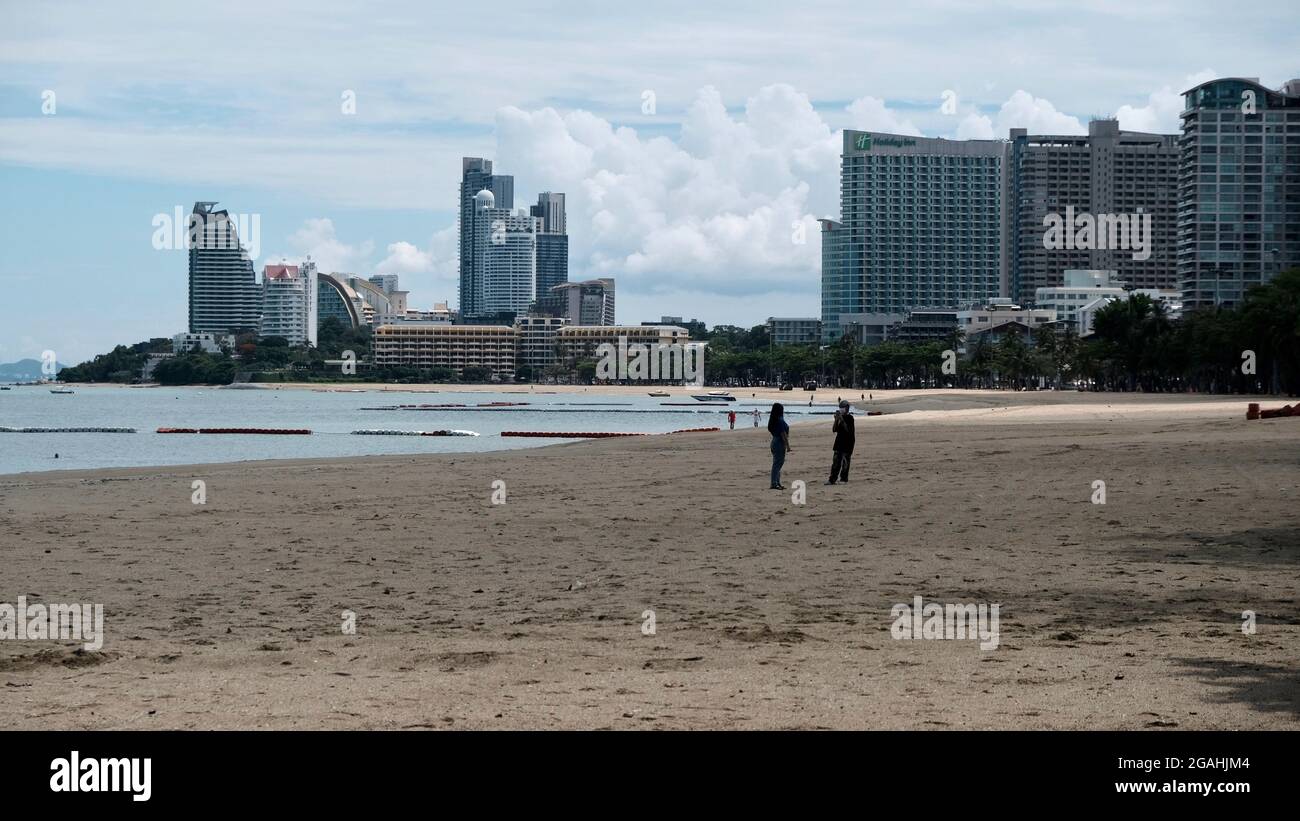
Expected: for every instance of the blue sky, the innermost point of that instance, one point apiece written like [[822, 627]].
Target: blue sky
[[695, 204]]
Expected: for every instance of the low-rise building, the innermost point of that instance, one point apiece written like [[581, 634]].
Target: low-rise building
[[151, 362], [1170, 299], [783, 330], [441, 345], [537, 341], [1001, 311], [1082, 288], [864, 328], [205, 342], [924, 325], [576, 342]]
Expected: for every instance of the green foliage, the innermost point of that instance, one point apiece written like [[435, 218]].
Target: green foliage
[[333, 338], [196, 369], [122, 364], [472, 374]]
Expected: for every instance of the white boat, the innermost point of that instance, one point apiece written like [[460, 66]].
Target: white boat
[[713, 396], [62, 390]]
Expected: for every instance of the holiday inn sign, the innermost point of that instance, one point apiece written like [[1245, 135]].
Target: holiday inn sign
[[863, 142]]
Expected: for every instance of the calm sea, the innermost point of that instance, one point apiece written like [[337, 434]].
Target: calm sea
[[331, 416]]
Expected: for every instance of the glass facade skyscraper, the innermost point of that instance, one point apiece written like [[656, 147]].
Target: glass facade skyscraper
[[476, 176], [1239, 205], [922, 225], [552, 242], [224, 294], [503, 258]]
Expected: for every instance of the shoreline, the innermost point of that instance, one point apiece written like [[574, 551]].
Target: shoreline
[[905, 407]]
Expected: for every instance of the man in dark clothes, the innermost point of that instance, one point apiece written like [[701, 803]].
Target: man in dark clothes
[[843, 428]]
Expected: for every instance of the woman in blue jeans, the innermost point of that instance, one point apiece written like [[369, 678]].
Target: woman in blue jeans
[[780, 431]]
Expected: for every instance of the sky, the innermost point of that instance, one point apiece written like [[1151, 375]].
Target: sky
[[697, 143]]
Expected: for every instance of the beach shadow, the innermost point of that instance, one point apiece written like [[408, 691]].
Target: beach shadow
[[1252, 546], [1268, 688]]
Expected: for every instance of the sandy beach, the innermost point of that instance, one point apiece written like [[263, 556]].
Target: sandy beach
[[767, 613]]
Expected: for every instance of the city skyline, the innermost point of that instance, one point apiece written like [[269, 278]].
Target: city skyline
[[687, 197]]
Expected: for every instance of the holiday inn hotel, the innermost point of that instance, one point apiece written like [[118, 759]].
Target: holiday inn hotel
[[921, 226]]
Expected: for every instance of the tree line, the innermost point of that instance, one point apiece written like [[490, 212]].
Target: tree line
[[1135, 346]]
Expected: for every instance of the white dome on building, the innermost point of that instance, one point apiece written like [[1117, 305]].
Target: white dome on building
[[485, 199]]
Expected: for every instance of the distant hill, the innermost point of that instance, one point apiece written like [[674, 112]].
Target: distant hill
[[25, 370]]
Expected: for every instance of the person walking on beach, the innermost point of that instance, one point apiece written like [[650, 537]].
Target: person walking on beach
[[843, 429], [731, 419], [780, 431], [757, 416]]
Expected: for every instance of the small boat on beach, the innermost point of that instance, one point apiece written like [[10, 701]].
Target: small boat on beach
[[654, 393]]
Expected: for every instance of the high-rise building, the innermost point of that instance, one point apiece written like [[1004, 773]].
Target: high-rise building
[[1239, 206], [552, 262], [287, 297], [922, 225], [550, 210], [504, 258], [223, 291], [336, 299], [476, 176], [582, 303], [1107, 172], [552, 242]]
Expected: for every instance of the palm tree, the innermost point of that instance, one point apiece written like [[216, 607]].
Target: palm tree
[[1134, 327], [981, 359], [1271, 312]]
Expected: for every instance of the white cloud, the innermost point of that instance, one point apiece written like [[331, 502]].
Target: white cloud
[[317, 239], [1021, 110], [871, 114], [431, 274], [1160, 114], [728, 208], [1037, 115], [975, 126], [405, 258]]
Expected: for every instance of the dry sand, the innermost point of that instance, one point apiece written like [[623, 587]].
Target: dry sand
[[768, 614]]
